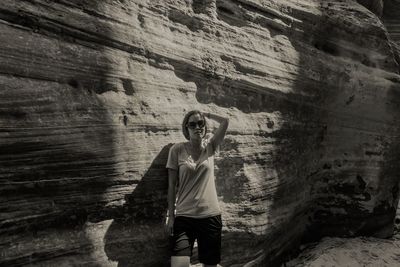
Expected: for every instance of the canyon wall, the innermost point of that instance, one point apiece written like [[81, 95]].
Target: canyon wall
[[391, 19], [93, 94]]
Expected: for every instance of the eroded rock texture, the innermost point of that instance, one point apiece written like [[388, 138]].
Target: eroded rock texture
[[375, 6], [354, 252], [391, 19], [93, 94]]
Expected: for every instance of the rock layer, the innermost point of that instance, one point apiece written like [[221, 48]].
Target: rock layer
[[391, 19], [355, 252], [375, 6], [391, 12], [93, 95]]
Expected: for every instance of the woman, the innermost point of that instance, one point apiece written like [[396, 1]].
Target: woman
[[193, 209]]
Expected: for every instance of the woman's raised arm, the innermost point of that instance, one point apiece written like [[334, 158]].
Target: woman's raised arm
[[219, 134]]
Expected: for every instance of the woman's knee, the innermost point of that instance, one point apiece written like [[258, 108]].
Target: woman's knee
[[180, 261]]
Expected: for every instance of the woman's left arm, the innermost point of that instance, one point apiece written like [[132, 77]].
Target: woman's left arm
[[219, 135]]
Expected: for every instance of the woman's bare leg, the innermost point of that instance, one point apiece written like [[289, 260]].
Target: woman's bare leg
[[180, 261]]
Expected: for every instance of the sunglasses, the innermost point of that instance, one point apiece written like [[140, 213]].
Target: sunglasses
[[193, 124]]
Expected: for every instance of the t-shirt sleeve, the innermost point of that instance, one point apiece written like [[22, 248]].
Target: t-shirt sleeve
[[172, 162]]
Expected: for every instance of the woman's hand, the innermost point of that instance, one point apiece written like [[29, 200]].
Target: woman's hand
[[169, 225]]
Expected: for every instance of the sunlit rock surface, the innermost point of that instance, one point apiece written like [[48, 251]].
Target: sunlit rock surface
[[93, 93], [354, 252]]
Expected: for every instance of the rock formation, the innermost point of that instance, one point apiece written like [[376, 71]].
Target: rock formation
[[375, 6], [391, 19], [354, 252], [93, 94]]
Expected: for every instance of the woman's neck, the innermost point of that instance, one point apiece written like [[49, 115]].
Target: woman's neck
[[195, 143]]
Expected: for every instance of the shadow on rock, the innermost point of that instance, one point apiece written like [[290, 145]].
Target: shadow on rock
[[136, 236]]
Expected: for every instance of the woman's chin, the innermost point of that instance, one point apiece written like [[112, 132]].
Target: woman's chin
[[197, 136]]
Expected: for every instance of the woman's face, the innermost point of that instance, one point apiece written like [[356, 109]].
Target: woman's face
[[196, 126]]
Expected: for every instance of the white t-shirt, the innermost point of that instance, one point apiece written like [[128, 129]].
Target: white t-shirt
[[196, 194]]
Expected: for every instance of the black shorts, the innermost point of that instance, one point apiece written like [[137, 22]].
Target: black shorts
[[207, 231]]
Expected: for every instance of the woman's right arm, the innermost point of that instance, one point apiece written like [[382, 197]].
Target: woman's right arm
[[172, 179]]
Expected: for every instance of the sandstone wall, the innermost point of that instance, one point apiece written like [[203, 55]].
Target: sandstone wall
[[93, 94], [391, 19], [376, 6]]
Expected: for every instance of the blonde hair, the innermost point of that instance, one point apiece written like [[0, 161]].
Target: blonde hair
[[186, 120]]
